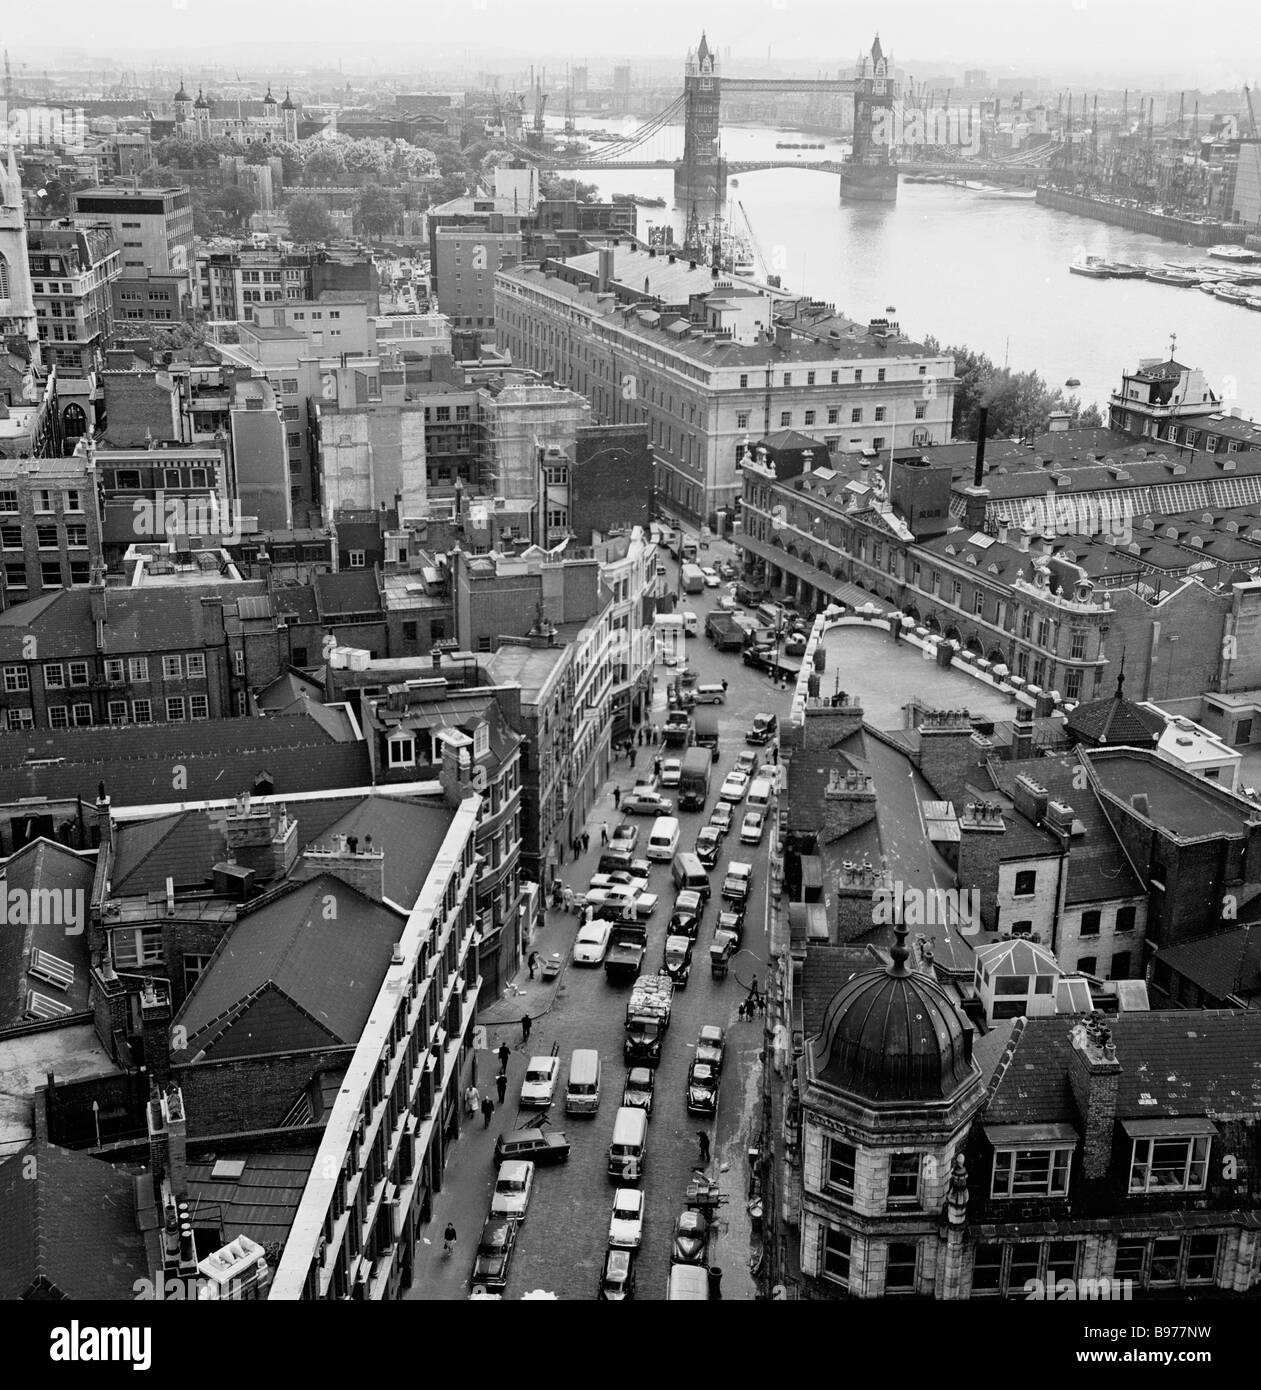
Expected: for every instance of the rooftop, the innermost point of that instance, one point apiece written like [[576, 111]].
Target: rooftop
[[1176, 802]]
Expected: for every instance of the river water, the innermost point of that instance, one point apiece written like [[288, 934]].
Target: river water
[[986, 270]]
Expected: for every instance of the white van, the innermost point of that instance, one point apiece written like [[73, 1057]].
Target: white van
[[629, 1148], [759, 796], [582, 1092], [691, 623], [663, 839]]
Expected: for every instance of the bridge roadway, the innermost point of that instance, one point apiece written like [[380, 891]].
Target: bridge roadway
[[963, 168]]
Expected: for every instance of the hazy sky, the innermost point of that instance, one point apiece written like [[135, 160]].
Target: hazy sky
[[1209, 43]]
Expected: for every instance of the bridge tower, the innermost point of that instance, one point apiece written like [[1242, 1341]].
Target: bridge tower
[[870, 175], [701, 178]]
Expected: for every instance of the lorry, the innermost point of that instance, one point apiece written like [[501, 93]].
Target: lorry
[[686, 549], [694, 778], [677, 730], [724, 631], [625, 957], [647, 1019], [705, 730], [693, 579], [750, 595]]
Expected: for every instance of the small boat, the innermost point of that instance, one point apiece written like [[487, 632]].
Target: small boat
[[1093, 266], [1209, 286], [1127, 270], [1253, 303], [1073, 381], [1165, 276], [1233, 294], [1231, 253]]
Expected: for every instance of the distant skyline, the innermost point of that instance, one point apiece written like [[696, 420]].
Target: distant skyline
[[1215, 44]]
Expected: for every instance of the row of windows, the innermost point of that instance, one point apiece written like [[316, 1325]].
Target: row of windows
[[60, 674], [47, 535], [177, 708]]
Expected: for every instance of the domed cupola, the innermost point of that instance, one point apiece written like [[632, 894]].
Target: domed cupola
[[894, 1035]]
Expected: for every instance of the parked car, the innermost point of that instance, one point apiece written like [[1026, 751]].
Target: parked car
[[708, 845], [691, 1238], [540, 1146], [728, 602], [734, 786], [746, 761], [617, 1278], [762, 730], [644, 801], [721, 816], [710, 576], [640, 868], [725, 569], [751, 828], [769, 772], [494, 1252], [676, 959], [617, 878], [738, 881], [671, 771], [702, 1089], [512, 1191], [638, 1088], [711, 1045], [539, 1087], [689, 909], [592, 942], [795, 644], [626, 1225]]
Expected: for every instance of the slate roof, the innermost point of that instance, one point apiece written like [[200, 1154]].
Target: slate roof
[[221, 756], [138, 621], [288, 690], [1224, 964], [290, 975], [827, 970], [350, 591], [1173, 1062], [186, 845], [262, 1202], [67, 1227], [1116, 721], [44, 865]]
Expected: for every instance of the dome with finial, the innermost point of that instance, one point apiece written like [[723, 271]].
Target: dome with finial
[[1114, 722], [201, 104], [893, 1035], [269, 100], [182, 95], [287, 104]]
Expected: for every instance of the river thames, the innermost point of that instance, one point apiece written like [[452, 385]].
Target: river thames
[[982, 269]]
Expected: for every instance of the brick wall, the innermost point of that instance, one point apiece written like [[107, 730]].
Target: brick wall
[[1156, 667], [252, 1092], [1094, 1078]]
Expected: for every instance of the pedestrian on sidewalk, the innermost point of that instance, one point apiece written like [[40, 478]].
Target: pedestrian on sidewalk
[[703, 1140], [724, 687], [471, 1101], [569, 898], [501, 1085], [504, 1053], [488, 1109], [604, 833], [586, 842], [532, 960], [617, 800], [526, 1025], [630, 756], [656, 765], [576, 847]]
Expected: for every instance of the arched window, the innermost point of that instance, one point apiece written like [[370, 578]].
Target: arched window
[[4, 277]]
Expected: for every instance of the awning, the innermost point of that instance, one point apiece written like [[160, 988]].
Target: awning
[[1005, 1136], [1170, 1127]]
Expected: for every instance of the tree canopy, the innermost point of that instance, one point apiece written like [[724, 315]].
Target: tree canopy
[[378, 210], [308, 218], [1019, 403]]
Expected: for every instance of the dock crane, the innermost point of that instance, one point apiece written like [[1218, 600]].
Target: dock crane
[[757, 247], [1252, 119]]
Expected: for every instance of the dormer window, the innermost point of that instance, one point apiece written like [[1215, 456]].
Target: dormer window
[[481, 741], [402, 751], [1031, 1160], [1169, 1155]]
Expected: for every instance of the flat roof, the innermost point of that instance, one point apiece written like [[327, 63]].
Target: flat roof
[[1178, 802]]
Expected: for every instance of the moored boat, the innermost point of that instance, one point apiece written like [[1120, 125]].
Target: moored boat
[[1166, 276], [1127, 270], [1093, 266], [1233, 294]]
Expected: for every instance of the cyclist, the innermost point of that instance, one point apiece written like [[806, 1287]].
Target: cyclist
[[448, 1239]]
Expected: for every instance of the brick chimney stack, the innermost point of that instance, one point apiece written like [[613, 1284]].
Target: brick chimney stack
[[981, 831], [826, 724], [359, 865], [945, 749], [856, 887], [848, 802], [1094, 1075]]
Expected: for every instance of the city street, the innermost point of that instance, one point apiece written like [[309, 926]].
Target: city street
[[562, 1242]]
